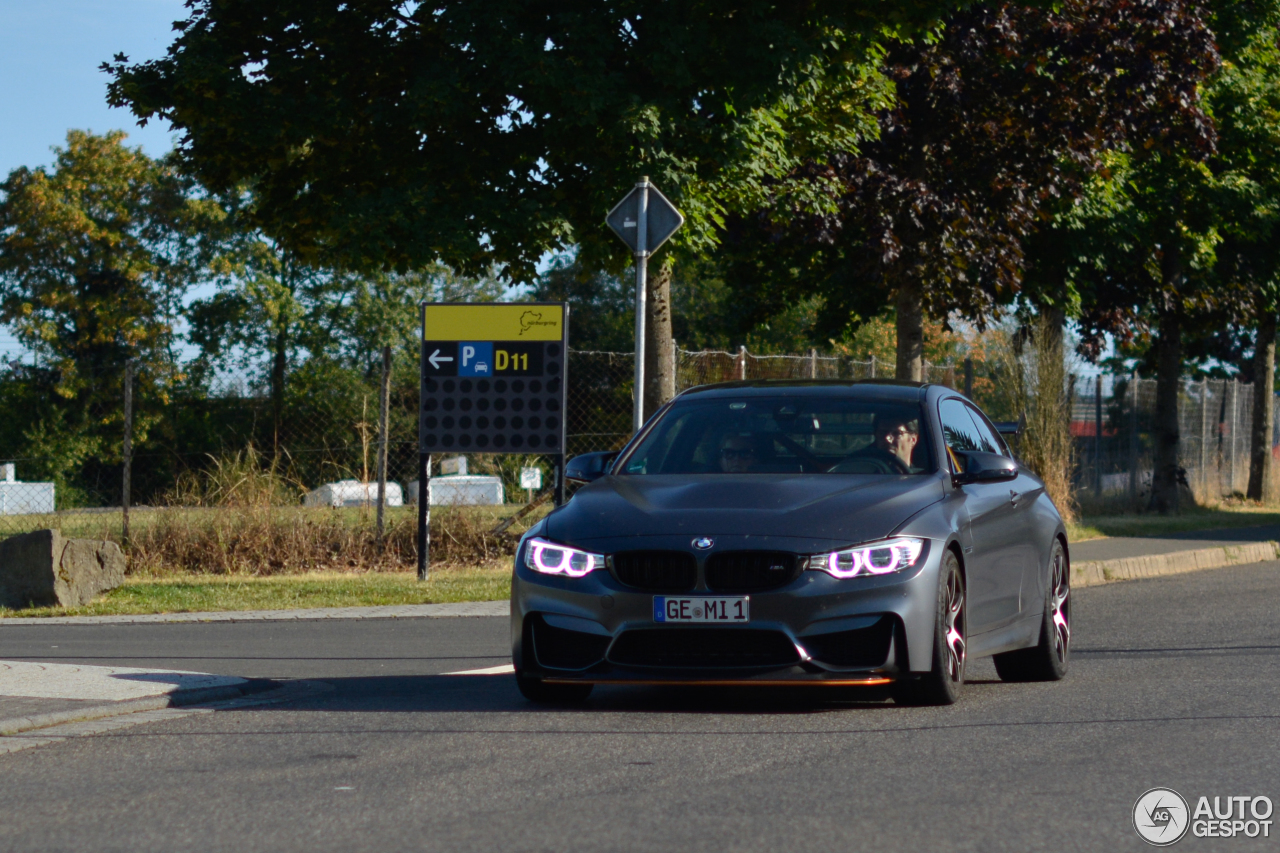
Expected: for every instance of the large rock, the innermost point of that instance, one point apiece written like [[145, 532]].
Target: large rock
[[43, 569]]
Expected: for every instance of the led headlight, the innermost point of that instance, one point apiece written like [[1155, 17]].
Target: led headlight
[[877, 558], [552, 559]]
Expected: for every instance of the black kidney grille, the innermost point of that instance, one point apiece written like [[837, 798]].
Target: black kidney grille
[[703, 648], [750, 571], [861, 647], [656, 571]]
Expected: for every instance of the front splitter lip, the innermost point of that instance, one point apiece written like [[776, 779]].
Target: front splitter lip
[[706, 679]]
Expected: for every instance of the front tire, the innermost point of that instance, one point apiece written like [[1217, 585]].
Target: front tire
[[941, 685], [540, 693], [1048, 660]]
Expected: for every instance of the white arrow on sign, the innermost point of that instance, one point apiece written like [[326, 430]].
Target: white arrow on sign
[[435, 358]]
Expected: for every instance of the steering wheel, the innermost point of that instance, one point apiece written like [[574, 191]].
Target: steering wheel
[[800, 450], [865, 464]]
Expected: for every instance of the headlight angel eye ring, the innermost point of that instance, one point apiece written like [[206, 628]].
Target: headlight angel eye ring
[[550, 558], [875, 558]]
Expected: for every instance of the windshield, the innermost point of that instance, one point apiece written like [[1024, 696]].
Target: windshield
[[784, 435]]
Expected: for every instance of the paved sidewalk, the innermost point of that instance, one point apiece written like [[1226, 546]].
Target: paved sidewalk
[[1133, 557], [35, 695]]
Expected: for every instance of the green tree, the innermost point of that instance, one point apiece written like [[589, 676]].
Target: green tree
[[998, 119], [380, 134], [96, 257]]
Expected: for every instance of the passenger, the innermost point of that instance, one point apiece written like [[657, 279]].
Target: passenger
[[737, 455]]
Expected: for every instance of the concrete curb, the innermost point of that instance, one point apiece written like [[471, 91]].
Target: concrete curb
[[177, 699], [1095, 572]]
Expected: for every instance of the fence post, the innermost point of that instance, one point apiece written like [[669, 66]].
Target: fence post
[[1230, 478], [1204, 437], [1097, 435], [1133, 439], [130, 370], [742, 361], [813, 363], [384, 404], [873, 366], [968, 378]]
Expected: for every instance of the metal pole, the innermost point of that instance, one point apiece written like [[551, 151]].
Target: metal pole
[[384, 404], [130, 369], [424, 515], [1097, 435], [873, 366], [1133, 439], [742, 361], [968, 378], [424, 460], [813, 363], [559, 475], [642, 285]]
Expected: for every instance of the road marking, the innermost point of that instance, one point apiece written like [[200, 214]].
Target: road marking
[[505, 669]]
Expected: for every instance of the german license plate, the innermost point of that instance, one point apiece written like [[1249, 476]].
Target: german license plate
[[701, 609]]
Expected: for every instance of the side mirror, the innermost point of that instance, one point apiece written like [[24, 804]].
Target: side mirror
[[980, 467], [586, 467]]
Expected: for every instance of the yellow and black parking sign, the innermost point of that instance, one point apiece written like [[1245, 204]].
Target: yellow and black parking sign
[[493, 377]]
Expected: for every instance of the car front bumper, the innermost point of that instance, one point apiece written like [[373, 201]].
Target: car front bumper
[[817, 629]]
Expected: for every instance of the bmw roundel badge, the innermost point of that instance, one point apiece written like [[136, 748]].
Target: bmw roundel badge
[[702, 543]]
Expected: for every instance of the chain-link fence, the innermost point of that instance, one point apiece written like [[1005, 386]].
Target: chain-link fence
[[1113, 419], [241, 439]]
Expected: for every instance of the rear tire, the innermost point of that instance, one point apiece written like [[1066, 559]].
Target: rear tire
[[941, 685], [541, 693], [1048, 660]]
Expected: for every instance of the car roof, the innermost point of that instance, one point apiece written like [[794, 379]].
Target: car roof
[[879, 389]]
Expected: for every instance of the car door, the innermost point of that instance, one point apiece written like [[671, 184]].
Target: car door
[[1022, 494], [991, 539]]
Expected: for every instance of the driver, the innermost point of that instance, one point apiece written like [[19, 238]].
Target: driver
[[737, 454], [894, 440]]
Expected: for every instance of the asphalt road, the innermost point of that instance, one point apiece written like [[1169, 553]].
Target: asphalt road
[[1175, 682]]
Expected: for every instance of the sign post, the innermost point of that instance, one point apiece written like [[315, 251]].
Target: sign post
[[644, 220], [494, 380]]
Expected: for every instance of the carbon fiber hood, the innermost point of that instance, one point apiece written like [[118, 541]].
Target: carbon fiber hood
[[847, 508]]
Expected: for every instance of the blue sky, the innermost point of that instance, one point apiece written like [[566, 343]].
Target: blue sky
[[50, 51]]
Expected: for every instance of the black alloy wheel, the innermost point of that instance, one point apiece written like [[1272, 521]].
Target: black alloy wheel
[[1047, 660], [941, 685]]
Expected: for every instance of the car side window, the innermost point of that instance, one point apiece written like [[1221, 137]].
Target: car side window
[[990, 438], [958, 429]]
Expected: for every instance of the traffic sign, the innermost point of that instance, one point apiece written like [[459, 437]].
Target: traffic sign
[[661, 220], [493, 377], [644, 219]]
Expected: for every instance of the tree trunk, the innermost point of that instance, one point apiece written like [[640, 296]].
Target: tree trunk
[[279, 361], [1264, 372], [659, 361], [910, 328], [1167, 474]]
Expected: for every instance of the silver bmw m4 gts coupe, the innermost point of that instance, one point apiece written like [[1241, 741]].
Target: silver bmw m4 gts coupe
[[800, 533]]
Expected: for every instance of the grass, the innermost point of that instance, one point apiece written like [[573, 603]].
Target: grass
[[199, 593], [1197, 518], [259, 541]]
